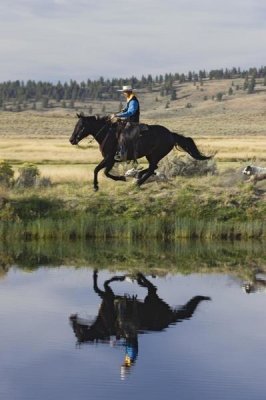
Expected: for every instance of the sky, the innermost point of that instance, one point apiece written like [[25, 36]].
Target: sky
[[52, 40]]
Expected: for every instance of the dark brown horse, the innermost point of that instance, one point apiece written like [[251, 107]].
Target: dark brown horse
[[124, 317], [154, 144]]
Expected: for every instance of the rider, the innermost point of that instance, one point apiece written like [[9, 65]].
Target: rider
[[130, 114]]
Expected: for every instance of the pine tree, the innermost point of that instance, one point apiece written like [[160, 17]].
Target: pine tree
[[251, 85], [45, 102], [246, 83], [173, 95]]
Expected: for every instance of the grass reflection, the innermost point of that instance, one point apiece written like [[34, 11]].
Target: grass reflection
[[185, 256]]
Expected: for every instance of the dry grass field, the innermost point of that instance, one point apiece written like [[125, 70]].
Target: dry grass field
[[234, 129]]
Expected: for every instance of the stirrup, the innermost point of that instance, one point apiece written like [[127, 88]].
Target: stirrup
[[118, 156]]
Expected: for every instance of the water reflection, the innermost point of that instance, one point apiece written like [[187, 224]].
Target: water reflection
[[121, 318]]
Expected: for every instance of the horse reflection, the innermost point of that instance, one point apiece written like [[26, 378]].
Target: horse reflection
[[124, 317]]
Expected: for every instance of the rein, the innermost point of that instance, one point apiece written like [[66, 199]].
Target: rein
[[93, 137], [100, 130], [97, 133]]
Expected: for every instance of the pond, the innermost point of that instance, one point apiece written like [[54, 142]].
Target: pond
[[156, 330]]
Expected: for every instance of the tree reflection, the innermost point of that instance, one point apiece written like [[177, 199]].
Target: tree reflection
[[121, 318]]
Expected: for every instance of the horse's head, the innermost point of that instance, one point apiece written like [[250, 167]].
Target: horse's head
[[87, 331], [80, 130], [87, 126]]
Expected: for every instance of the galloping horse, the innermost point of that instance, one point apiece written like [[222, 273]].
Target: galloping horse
[[154, 144]]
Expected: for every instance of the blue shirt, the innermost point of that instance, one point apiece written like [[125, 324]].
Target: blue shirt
[[131, 110]]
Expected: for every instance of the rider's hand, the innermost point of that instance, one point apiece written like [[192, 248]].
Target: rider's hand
[[112, 116]]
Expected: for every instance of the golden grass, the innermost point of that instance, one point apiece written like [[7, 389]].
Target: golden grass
[[45, 151], [32, 124]]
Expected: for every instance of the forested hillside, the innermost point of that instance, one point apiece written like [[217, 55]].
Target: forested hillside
[[18, 95]]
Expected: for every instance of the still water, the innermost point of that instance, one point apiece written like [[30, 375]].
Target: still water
[[68, 332]]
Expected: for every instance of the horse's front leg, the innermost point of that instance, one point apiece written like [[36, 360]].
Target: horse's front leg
[[96, 170], [108, 168]]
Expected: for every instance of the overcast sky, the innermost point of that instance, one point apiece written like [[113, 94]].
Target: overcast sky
[[80, 39]]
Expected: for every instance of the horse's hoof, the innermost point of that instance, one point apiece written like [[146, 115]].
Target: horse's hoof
[[96, 188]]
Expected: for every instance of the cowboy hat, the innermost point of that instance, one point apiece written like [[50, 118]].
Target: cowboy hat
[[127, 88]]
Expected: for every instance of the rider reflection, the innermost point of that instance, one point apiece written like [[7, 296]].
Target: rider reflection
[[131, 347], [127, 320], [124, 317]]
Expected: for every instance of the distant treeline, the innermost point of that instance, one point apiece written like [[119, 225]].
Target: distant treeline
[[106, 89]]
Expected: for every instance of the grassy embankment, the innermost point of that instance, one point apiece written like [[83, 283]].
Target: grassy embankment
[[221, 206]]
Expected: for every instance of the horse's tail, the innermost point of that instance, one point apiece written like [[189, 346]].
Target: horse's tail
[[188, 144], [187, 311]]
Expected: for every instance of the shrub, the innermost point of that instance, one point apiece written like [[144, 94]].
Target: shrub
[[173, 166], [219, 96], [43, 182], [28, 175], [6, 174]]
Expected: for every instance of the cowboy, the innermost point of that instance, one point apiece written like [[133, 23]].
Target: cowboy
[[130, 114]]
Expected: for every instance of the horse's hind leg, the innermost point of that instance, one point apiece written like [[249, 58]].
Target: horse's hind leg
[[146, 174], [141, 173], [153, 160]]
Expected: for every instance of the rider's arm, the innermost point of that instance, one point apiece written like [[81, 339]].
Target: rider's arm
[[132, 108]]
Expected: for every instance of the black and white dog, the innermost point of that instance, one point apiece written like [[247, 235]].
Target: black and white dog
[[255, 173], [252, 170]]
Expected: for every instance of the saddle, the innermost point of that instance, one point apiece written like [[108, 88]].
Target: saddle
[[138, 129], [132, 130]]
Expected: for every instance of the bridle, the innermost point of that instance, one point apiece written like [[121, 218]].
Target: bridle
[[81, 132], [79, 136]]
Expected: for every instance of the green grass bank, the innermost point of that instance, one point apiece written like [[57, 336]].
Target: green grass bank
[[185, 208]]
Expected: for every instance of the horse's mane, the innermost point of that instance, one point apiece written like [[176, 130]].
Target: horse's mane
[[96, 117], [99, 117]]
